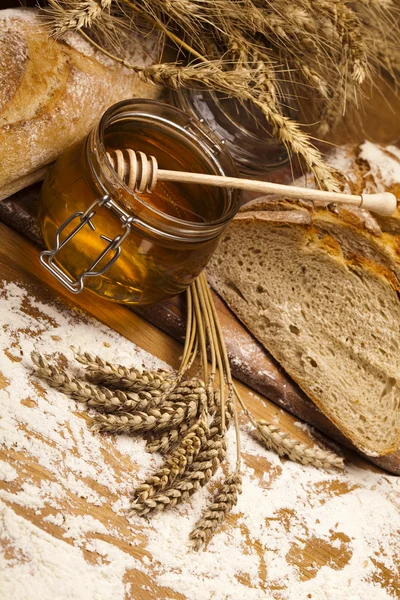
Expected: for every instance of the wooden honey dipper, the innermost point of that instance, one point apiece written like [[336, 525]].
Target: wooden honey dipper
[[141, 173]]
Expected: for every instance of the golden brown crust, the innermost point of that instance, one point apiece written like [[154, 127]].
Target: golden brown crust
[[278, 217], [314, 233], [22, 182], [325, 242], [12, 43], [51, 95]]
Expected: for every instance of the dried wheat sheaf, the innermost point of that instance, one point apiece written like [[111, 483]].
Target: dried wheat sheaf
[[260, 51], [184, 418]]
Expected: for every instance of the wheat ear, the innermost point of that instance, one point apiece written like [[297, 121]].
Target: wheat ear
[[101, 371], [74, 15], [275, 439], [197, 475], [167, 439], [166, 415], [175, 465], [283, 444], [235, 83], [94, 396], [230, 82], [223, 501]]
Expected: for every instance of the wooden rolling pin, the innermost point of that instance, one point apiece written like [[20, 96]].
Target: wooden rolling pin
[[141, 173]]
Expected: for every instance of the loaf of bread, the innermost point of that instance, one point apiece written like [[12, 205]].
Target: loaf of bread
[[320, 289], [52, 93]]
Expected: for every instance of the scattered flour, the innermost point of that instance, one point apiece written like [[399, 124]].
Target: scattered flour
[[341, 159], [384, 164], [7, 472], [46, 567], [57, 550], [78, 526]]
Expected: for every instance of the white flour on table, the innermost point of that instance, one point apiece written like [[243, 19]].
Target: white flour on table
[[51, 550]]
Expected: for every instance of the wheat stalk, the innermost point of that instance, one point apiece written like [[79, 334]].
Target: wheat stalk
[[322, 42], [95, 396], [156, 496], [324, 46], [275, 439], [233, 82], [223, 501], [220, 27], [124, 378], [175, 413]]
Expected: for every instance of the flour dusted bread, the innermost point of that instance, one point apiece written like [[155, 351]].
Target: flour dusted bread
[[320, 289], [52, 93], [367, 168]]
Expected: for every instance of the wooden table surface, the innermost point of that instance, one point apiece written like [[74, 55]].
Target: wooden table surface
[[19, 263]]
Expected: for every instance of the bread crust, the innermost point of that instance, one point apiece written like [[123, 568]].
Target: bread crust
[[51, 95]]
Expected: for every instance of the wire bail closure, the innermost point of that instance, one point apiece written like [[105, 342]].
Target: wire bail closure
[[47, 257]]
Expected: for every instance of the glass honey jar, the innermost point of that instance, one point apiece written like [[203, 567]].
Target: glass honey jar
[[125, 246]]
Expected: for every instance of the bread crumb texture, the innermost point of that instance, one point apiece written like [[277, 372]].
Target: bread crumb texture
[[321, 292]]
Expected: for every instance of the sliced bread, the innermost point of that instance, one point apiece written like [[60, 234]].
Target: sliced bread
[[320, 291]]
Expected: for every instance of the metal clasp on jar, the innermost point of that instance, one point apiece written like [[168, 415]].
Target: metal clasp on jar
[[47, 258]]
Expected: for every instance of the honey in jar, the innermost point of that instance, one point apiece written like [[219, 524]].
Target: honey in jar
[[125, 246]]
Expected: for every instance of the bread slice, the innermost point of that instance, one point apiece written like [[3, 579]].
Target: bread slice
[[325, 308]]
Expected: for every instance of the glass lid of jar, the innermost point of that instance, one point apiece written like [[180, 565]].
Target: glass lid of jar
[[242, 127]]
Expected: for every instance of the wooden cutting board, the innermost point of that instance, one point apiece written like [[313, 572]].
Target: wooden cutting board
[[251, 363]]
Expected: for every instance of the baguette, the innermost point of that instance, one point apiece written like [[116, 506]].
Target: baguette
[[52, 93], [319, 288]]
